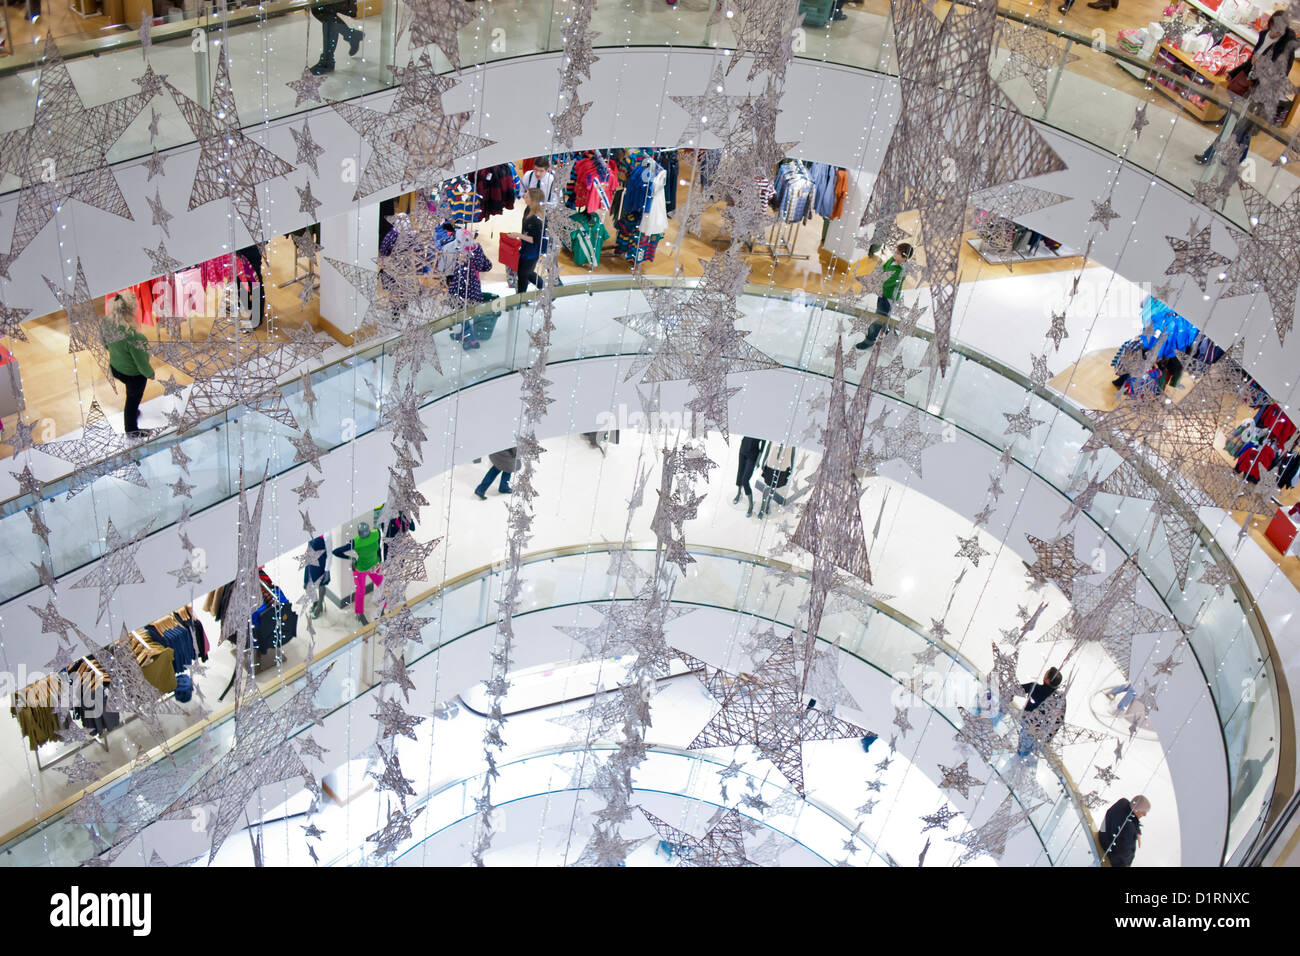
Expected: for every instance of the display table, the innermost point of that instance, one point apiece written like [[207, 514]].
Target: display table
[[1281, 532], [1175, 61]]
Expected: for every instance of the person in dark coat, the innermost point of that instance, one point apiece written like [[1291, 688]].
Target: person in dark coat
[[504, 464], [1121, 831]]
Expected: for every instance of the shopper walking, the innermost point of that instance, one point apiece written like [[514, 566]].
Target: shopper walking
[[128, 359], [504, 464], [1275, 47], [1121, 832], [530, 244], [331, 29], [890, 290]]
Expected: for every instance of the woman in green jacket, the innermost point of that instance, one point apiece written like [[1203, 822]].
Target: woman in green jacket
[[128, 357]]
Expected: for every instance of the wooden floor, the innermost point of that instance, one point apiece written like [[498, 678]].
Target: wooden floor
[[58, 386], [1088, 382]]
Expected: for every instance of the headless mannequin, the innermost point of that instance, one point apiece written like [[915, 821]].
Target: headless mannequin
[[778, 463], [751, 449], [363, 549]]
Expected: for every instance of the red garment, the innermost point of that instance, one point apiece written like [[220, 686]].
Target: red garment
[[527, 164], [217, 271], [594, 192], [1273, 420], [1254, 461]]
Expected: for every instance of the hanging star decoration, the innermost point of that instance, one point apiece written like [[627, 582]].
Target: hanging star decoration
[[954, 120], [1193, 256], [970, 549], [231, 164], [306, 88], [11, 322], [1108, 614], [767, 710], [52, 622], [991, 837], [87, 330], [261, 755], [414, 141], [393, 720], [1266, 259], [63, 155], [98, 452], [309, 152], [232, 367], [958, 779], [161, 261], [1035, 52], [1103, 213], [1055, 563], [764, 30], [1021, 423], [1140, 121], [438, 22], [1057, 331], [723, 844], [940, 819]]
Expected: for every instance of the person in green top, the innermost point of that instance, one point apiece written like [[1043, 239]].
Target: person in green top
[[890, 290], [128, 358]]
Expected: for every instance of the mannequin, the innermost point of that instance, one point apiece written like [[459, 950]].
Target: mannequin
[[317, 571], [363, 549], [750, 451], [778, 463]]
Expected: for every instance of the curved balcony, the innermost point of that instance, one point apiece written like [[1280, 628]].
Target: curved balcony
[[1085, 86], [1231, 644], [882, 640]]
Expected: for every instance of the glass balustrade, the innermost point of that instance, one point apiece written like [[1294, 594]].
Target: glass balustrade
[[1088, 88], [875, 634], [973, 396]]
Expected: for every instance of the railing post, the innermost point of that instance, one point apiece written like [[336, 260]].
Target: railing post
[[1065, 58]]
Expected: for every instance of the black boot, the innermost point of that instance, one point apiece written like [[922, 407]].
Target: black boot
[[322, 67], [750, 510], [736, 500]]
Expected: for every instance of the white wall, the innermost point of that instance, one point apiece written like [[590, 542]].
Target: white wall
[[836, 114]]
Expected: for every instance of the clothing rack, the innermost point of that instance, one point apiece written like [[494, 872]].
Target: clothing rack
[[780, 241]]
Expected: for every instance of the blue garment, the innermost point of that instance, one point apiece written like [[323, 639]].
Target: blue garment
[[639, 192], [184, 688], [1180, 334], [795, 193], [823, 178]]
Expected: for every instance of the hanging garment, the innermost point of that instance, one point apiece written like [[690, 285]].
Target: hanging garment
[[460, 201], [595, 182], [160, 673], [841, 192], [275, 626], [667, 158], [37, 723], [464, 282], [588, 236], [823, 179]]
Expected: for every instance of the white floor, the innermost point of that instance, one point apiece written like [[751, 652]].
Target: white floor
[[582, 500]]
